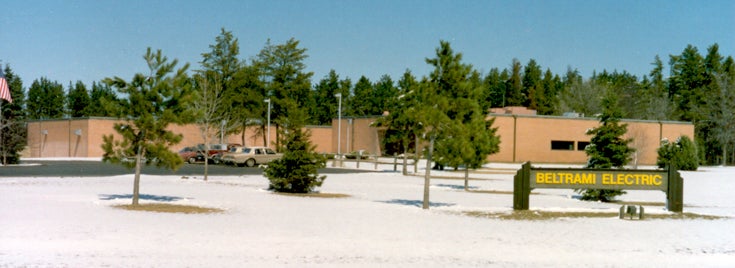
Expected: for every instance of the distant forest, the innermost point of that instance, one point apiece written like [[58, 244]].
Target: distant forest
[[699, 88]]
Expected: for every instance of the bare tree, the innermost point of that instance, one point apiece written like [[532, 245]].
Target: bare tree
[[638, 137], [582, 97], [209, 113]]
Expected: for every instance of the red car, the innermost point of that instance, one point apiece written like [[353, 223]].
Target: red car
[[191, 154]]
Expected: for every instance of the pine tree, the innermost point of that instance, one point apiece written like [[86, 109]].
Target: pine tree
[[608, 148], [682, 153], [14, 133], [153, 102], [359, 104], [514, 94], [100, 95], [78, 100], [286, 81], [325, 104], [400, 123], [45, 100], [298, 170]]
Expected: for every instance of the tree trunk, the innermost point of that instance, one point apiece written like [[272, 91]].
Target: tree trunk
[[724, 154], [466, 177], [405, 155], [416, 157], [206, 153], [242, 135], [427, 178], [136, 181]]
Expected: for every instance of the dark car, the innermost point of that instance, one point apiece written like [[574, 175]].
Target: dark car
[[191, 154]]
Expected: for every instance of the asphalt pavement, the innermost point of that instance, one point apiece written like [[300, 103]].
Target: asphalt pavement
[[33, 168]]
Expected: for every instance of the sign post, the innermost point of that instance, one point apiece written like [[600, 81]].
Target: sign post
[[529, 178]]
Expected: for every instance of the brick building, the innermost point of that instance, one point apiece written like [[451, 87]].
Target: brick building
[[524, 136]]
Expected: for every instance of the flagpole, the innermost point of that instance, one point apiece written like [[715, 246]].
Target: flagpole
[[2, 130]]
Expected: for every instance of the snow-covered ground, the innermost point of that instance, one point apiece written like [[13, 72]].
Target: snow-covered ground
[[70, 222]]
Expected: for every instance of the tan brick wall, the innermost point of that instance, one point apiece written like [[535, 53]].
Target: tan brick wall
[[522, 138]]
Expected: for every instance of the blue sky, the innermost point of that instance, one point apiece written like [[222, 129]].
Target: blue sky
[[90, 40]]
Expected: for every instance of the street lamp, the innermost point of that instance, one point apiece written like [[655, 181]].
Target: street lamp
[[339, 123], [268, 137]]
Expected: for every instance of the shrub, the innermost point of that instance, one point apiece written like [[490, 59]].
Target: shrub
[[682, 153], [297, 170]]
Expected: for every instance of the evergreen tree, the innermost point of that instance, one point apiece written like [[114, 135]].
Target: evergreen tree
[[496, 88], [100, 95], [384, 92], [45, 100], [682, 153], [244, 101], [297, 170], [287, 83], [545, 94], [14, 133], [608, 148], [325, 104], [402, 126], [531, 84], [222, 58], [465, 139], [78, 100], [360, 103], [687, 84], [514, 95], [654, 98], [152, 102]]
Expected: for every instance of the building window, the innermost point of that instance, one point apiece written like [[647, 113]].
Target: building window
[[582, 144], [562, 145]]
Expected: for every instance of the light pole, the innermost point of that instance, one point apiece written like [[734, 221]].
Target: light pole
[[268, 137], [339, 123]]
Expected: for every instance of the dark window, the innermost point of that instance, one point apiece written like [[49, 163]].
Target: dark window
[[562, 145], [582, 144]]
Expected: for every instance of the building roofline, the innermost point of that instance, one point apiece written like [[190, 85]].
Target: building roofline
[[590, 118]]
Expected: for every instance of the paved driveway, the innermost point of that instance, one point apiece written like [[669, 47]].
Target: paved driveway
[[34, 168]]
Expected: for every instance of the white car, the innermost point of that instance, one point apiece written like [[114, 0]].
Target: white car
[[250, 156]]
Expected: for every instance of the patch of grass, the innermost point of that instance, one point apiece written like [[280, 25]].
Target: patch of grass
[[538, 215], [318, 195], [494, 192], [640, 203], [169, 208]]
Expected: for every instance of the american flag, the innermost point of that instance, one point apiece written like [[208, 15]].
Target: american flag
[[4, 89]]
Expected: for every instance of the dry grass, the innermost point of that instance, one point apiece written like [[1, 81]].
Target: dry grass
[[640, 203], [536, 215], [318, 195], [494, 192], [169, 208]]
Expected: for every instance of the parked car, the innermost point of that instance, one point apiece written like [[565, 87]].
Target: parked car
[[194, 154], [216, 158], [191, 154], [250, 156]]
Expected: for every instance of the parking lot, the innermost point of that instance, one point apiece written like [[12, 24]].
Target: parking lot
[[70, 168]]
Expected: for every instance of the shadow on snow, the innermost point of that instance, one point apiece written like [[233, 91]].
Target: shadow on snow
[[416, 203], [159, 198]]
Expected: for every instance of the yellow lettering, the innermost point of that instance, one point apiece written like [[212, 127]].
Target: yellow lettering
[[590, 178], [620, 179], [540, 177], [646, 180], [657, 180], [606, 178]]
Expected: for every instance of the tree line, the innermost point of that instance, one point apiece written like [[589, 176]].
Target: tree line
[[698, 88]]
